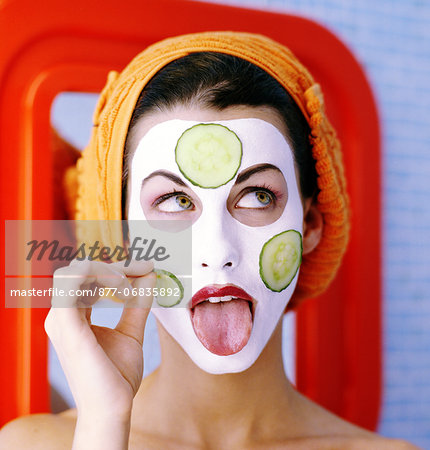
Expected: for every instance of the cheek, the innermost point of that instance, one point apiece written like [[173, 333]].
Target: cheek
[[280, 259], [270, 256]]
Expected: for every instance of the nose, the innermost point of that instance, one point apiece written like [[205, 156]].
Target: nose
[[227, 264], [217, 251], [215, 245], [220, 261]]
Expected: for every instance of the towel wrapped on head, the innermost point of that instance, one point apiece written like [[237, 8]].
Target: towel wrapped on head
[[99, 170]]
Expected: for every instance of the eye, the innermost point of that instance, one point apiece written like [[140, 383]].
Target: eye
[[256, 199], [174, 202]]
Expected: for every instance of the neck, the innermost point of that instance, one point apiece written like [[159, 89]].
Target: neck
[[214, 407]]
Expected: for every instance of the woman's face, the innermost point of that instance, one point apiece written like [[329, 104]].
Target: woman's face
[[232, 313]]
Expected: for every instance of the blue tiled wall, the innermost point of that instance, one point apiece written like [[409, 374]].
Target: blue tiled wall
[[391, 38]]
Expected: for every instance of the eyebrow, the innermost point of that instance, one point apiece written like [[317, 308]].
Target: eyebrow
[[165, 174], [253, 170]]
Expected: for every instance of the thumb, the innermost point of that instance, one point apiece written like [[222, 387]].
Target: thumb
[[135, 313]]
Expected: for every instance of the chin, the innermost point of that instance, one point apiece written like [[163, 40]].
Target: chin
[[220, 365], [177, 324]]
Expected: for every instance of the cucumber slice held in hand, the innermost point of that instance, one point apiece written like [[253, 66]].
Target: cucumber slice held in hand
[[208, 155], [173, 289], [280, 258]]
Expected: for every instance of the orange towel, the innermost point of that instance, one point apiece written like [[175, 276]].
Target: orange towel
[[100, 167]]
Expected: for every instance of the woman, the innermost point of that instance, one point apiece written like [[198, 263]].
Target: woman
[[270, 167]]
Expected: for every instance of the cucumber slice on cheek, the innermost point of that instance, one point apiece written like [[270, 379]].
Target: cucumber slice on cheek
[[280, 258], [169, 288], [208, 155]]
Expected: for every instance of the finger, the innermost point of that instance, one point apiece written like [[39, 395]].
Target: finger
[[75, 289], [76, 261], [111, 276], [64, 313], [135, 313], [134, 268], [115, 275], [66, 283], [85, 312], [95, 274], [88, 312]]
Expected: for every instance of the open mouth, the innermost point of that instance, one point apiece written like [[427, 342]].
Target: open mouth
[[222, 318]]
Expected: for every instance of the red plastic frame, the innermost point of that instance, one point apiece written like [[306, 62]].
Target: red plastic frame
[[70, 46]]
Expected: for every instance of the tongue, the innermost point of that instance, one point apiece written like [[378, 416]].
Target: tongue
[[223, 328]]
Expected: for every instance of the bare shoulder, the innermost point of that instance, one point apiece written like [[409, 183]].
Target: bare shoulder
[[39, 431], [374, 442], [325, 430], [395, 444], [349, 443]]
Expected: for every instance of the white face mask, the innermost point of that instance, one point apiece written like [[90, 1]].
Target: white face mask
[[225, 251]]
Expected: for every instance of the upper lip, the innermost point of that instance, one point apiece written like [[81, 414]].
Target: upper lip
[[219, 291]]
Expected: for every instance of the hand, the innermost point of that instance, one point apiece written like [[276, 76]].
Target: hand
[[103, 366]]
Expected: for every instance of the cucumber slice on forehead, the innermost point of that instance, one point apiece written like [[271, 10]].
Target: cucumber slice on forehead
[[280, 258], [208, 155], [169, 288]]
